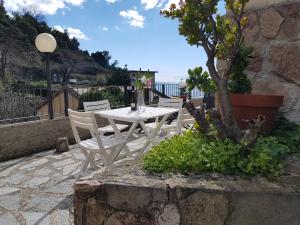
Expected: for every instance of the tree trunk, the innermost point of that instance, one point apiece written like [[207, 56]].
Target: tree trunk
[[3, 63], [232, 129]]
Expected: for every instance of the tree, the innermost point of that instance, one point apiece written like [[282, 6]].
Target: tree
[[119, 77], [103, 59], [221, 38]]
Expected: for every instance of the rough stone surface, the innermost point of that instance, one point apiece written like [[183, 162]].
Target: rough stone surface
[[270, 21], [274, 32], [128, 195], [62, 144], [284, 60], [203, 208], [21, 139], [38, 189]]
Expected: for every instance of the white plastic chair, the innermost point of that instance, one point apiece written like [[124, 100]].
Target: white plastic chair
[[109, 147], [101, 106], [176, 125]]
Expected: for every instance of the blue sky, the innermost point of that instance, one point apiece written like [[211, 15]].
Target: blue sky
[[132, 31]]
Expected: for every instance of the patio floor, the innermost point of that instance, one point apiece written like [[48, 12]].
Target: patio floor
[[38, 189]]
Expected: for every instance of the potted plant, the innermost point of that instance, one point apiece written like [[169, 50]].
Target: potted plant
[[183, 93], [247, 106]]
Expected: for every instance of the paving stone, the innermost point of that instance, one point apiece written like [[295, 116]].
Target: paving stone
[[70, 168], [8, 190], [34, 218], [35, 163], [7, 171], [43, 172], [63, 163], [60, 217], [8, 219], [46, 202], [78, 155], [16, 179], [60, 187], [10, 202], [36, 181], [57, 156]]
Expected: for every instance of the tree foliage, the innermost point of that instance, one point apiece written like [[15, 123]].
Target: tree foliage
[[104, 59], [221, 38]]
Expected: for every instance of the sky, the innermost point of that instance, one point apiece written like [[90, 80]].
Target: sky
[[133, 31]]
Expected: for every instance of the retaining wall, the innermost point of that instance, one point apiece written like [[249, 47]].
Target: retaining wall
[[136, 200], [21, 139]]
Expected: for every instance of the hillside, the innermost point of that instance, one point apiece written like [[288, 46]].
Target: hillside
[[20, 61]]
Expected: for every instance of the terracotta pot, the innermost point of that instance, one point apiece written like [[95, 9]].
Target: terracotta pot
[[249, 106], [184, 97]]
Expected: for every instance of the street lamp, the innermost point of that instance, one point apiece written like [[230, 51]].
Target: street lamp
[[46, 43]]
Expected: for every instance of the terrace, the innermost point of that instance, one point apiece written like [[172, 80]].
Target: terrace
[[38, 189], [232, 157]]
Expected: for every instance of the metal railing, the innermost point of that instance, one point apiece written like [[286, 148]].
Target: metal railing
[[172, 89], [26, 104]]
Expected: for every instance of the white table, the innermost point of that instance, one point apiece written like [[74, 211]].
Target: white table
[[137, 117]]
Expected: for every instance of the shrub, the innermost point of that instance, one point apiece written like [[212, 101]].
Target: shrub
[[113, 94], [287, 133], [192, 152], [266, 158]]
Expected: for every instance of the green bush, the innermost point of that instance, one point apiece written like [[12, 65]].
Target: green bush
[[113, 94], [287, 133], [266, 158], [192, 152]]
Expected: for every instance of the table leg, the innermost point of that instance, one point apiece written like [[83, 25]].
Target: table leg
[[151, 135], [118, 134]]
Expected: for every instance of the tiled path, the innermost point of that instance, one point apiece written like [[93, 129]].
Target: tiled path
[[38, 190]]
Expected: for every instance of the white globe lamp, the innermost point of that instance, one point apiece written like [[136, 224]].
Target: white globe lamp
[[45, 43]]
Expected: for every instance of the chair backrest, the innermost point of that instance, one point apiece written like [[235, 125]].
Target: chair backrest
[[86, 121], [175, 103], [96, 106], [187, 119]]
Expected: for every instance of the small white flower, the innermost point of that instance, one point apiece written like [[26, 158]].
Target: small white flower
[[144, 80]]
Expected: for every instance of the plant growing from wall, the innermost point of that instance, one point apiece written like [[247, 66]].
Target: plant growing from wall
[[238, 80], [221, 38]]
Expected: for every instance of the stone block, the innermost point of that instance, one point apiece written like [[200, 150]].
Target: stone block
[[62, 145], [136, 198], [270, 21], [265, 209], [201, 208]]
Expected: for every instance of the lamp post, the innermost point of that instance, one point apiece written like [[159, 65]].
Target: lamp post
[[46, 43]]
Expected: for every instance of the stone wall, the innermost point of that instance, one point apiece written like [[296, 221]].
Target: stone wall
[[274, 32], [22, 139], [136, 200]]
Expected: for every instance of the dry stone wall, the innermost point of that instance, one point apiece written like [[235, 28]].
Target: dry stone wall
[[274, 32], [141, 200]]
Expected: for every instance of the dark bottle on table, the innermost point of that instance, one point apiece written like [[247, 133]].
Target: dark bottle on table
[[133, 102]]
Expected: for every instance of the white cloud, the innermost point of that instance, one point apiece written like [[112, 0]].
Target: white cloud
[[48, 7], [77, 33], [103, 28], [59, 28], [150, 4], [117, 28], [111, 1], [73, 32], [133, 17]]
